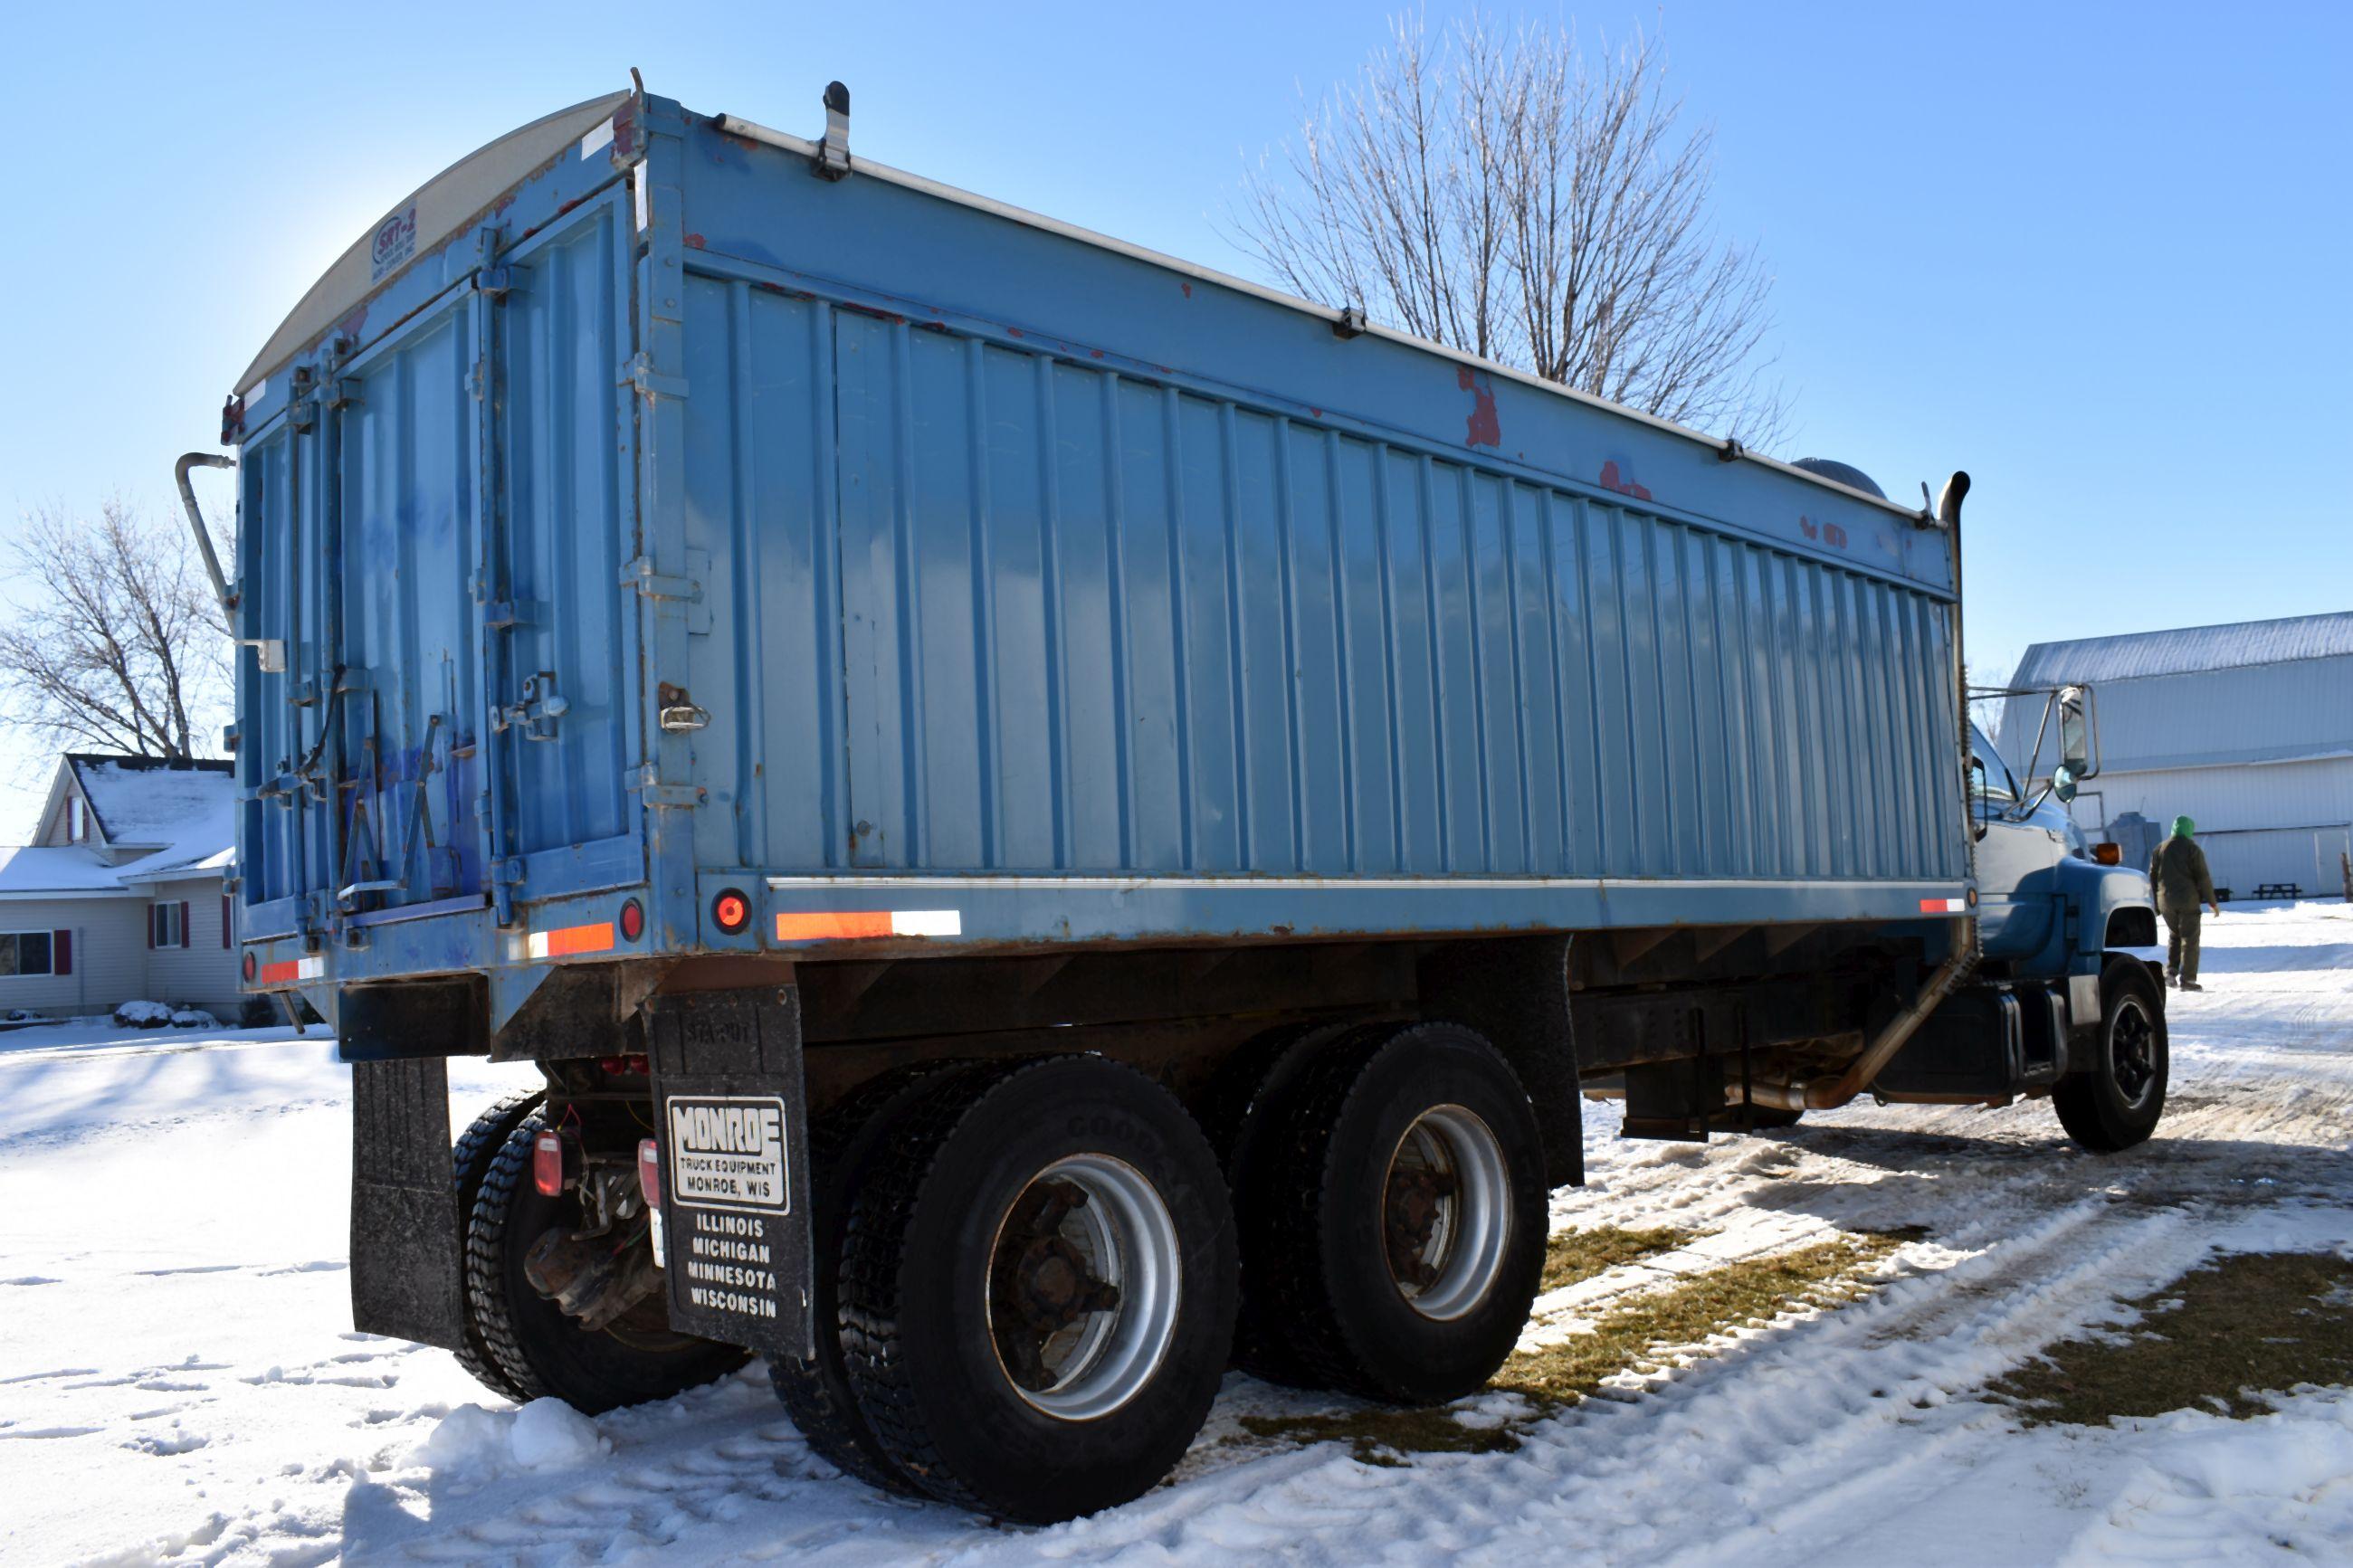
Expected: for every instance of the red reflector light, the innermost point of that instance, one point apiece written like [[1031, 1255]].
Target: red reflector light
[[547, 1163], [2108, 854], [649, 1171], [633, 919], [731, 912], [250, 966]]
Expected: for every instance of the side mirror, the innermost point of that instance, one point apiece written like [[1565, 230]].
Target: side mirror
[[2077, 742]]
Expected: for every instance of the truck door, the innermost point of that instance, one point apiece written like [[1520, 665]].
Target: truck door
[[2017, 855], [561, 712]]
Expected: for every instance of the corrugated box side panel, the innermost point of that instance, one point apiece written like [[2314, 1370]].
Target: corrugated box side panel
[[1092, 622]]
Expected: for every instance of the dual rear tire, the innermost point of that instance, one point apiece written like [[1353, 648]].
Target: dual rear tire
[[1390, 1186], [1033, 1269], [519, 1343]]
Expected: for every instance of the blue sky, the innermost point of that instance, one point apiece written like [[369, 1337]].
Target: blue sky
[[2098, 255]]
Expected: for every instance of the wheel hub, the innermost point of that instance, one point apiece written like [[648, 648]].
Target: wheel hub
[[1419, 1201], [1445, 1211], [1081, 1287]]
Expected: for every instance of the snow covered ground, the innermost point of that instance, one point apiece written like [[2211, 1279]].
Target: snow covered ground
[[177, 1383]]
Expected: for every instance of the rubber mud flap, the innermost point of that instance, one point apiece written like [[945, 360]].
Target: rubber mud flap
[[407, 1262], [735, 1169]]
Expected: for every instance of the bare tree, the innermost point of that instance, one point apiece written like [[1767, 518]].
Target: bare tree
[[118, 644], [1500, 192]]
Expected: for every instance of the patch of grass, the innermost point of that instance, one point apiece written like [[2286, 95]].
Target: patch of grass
[[1734, 1296], [1632, 1335], [2216, 1339], [1574, 1256]]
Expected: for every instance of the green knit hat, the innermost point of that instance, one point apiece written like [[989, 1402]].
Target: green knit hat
[[2183, 827]]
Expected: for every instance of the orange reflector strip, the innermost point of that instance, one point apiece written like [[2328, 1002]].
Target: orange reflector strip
[[566, 940], [1942, 906], [833, 924], [282, 971]]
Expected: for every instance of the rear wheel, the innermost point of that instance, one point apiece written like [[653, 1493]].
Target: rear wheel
[[1037, 1291], [1396, 1241], [535, 1346], [468, 1162], [1251, 1109], [844, 1145], [2115, 1101]]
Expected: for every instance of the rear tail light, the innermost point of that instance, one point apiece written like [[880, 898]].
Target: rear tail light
[[547, 1162], [731, 912], [633, 919], [649, 1171]]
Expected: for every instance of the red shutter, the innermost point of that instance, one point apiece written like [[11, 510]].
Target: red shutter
[[225, 920], [61, 953], [183, 924], [151, 925]]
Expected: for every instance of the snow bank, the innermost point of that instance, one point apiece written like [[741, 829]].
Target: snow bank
[[472, 1444]]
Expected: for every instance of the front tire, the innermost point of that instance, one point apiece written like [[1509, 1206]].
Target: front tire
[[1395, 1243], [536, 1348], [2114, 1101], [1036, 1289]]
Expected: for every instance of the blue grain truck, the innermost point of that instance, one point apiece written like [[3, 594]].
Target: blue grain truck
[[1055, 821]]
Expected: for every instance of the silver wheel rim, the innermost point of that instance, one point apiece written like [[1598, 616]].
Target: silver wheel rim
[[1083, 1281], [1446, 1212]]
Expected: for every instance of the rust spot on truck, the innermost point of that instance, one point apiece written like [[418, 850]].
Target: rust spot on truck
[[1614, 478], [1485, 427]]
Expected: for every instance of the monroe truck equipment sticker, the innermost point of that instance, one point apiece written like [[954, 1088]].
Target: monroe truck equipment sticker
[[729, 1153]]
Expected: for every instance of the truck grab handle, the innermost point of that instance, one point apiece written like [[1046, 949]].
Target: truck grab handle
[[196, 525]]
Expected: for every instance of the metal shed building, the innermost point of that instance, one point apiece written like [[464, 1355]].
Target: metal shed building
[[2247, 728]]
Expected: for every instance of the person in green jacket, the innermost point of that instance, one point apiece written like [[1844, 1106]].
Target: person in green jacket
[[2177, 871]]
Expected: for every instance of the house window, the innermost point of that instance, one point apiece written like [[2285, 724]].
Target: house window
[[27, 953], [77, 820], [168, 925]]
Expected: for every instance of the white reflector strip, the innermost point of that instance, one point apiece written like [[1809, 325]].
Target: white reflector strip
[[310, 969], [926, 923]]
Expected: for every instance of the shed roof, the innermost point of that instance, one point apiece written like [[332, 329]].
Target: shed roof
[[2186, 650]]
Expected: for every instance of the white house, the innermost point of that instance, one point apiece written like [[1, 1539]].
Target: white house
[[2246, 728], [121, 895]]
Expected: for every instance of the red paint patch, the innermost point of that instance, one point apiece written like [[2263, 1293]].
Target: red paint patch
[[1483, 428], [1097, 352], [694, 242], [1623, 483], [1187, 288], [1013, 333]]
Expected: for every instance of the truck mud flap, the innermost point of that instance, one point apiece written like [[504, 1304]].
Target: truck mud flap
[[406, 1253], [735, 1219]]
